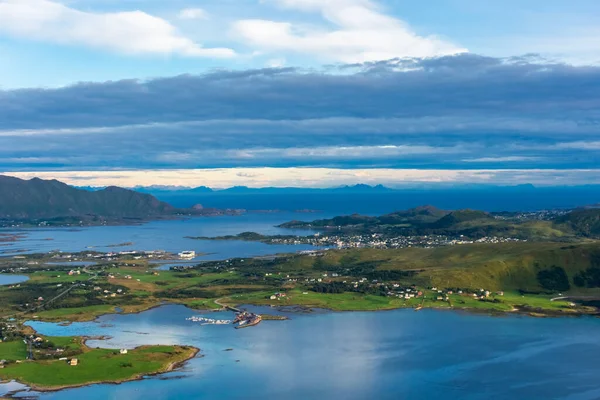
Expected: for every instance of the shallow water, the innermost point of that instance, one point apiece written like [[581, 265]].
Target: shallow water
[[384, 355], [12, 279]]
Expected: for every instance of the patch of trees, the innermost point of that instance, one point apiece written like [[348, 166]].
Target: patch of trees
[[554, 279], [333, 287], [339, 287], [589, 278], [389, 275]]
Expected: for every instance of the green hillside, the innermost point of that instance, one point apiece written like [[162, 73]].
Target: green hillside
[[585, 222], [502, 266]]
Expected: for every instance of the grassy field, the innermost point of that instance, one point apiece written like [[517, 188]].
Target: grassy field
[[75, 314], [81, 314], [337, 302], [510, 267], [12, 351], [510, 301], [98, 365]]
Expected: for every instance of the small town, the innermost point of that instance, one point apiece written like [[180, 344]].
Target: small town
[[381, 241]]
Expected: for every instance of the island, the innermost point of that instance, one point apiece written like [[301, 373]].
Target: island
[[55, 363]]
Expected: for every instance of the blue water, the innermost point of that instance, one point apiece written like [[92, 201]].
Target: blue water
[[73, 263], [384, 355], [166, 235], [487, 198], [12, 279]]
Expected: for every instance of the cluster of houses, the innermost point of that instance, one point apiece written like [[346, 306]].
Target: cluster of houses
[[380, 241], [278, 296], [107, 293]]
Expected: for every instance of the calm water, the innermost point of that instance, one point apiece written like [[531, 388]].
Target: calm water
[[384, 355], [167, 235], [12, 279], [487, 198]]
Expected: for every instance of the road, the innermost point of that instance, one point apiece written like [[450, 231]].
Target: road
[[93, 276]]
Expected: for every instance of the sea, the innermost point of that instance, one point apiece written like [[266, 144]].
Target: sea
[[398, 354], [167, 235]]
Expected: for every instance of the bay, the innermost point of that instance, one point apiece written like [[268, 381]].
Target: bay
[[12, 279], [360, 355], [168, 235]]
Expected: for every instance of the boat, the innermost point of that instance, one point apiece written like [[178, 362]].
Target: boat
[[209, 321]]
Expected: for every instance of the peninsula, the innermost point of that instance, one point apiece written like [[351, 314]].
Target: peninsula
[[55, 363]]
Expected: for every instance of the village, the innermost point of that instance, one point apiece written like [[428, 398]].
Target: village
[[382, 241]]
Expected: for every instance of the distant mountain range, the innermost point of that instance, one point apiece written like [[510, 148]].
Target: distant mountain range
[[360, 188], [51, 199]]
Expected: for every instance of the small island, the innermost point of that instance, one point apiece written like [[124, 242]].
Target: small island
[[56, 363]]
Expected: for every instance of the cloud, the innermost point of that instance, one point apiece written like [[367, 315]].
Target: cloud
[[361, 32], [192, 13], [276, 63], [438, 113], [132, 32], [317, 177], [579, 145], [303, 154], [501, 159], [466, 89]]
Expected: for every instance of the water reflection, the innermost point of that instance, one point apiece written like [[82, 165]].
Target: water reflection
[[384, 355], [164, 235]]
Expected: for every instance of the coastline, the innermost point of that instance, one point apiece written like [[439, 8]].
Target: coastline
[[518, 310], [190, 352]]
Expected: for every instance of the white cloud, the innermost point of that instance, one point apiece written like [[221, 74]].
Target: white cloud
[[276, 63], [312, 153], [192, 13], [131, 32], [501, 159], [315, 177], [361, 33]]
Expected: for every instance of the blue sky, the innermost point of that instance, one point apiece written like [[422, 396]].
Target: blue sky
[[392, 86]]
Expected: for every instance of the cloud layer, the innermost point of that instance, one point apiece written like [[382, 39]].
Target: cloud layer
[[462, 112], [314, 177]]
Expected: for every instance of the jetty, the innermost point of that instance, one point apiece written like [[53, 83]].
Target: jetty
[[227, 307], [246, 319]]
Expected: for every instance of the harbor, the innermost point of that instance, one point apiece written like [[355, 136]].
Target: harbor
[[246, 319], [209, 321], [243, 319]]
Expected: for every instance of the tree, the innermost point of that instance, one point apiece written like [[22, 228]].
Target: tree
[[554, 278]]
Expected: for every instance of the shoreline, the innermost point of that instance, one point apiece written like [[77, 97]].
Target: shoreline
[[192, 352], [523, 311]]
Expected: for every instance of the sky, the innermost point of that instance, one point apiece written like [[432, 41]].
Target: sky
[[300, 92]]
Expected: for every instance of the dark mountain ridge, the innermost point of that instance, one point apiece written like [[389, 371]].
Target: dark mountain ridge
[[52, 199]]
